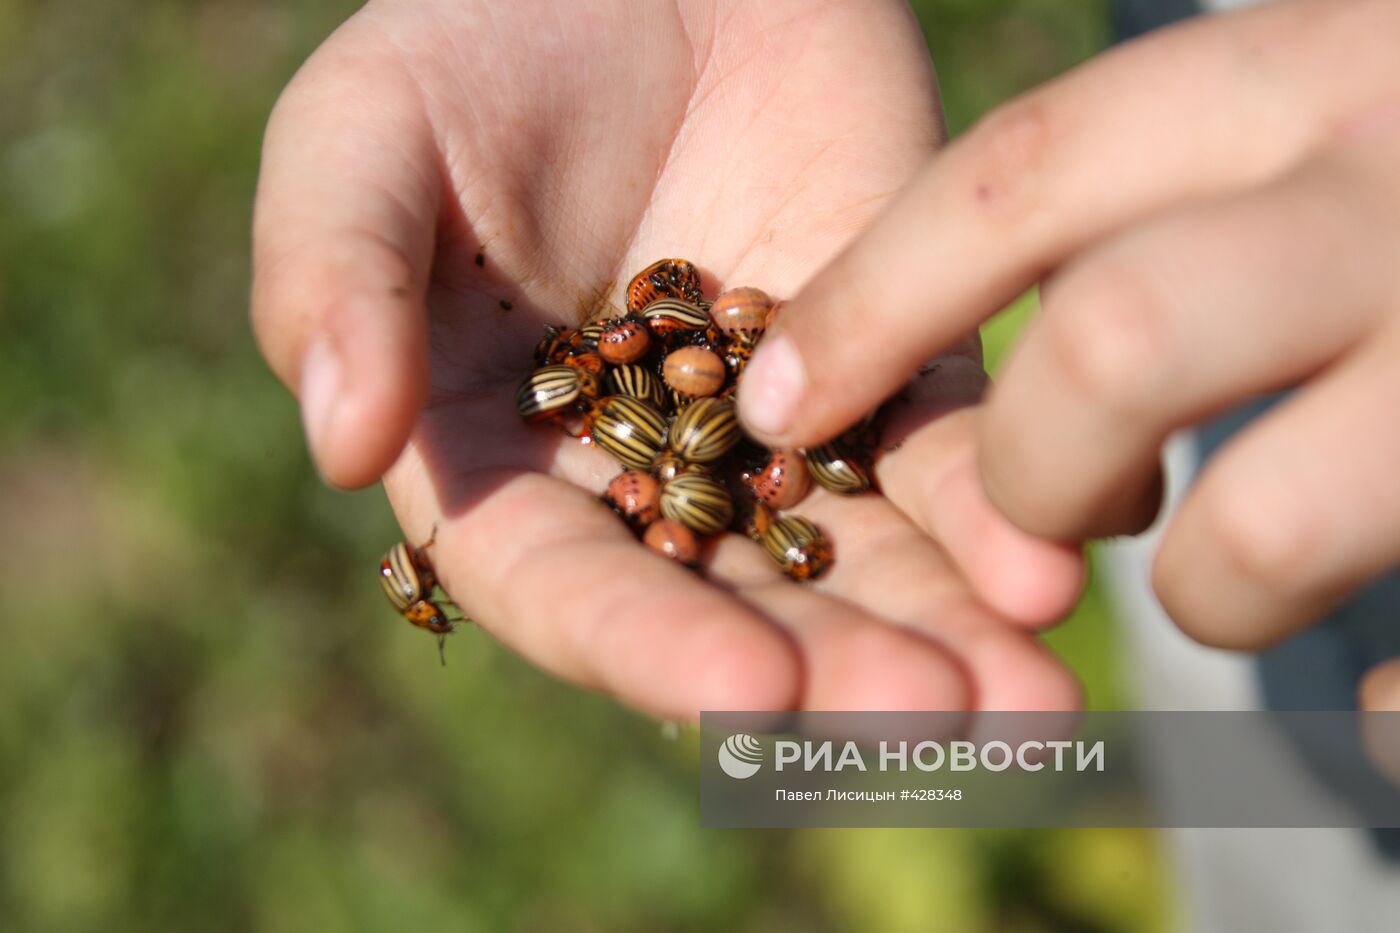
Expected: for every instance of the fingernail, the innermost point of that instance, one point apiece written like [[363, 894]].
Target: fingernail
[[320, 391], [774, 382]]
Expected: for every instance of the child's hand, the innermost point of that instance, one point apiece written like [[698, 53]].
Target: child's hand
[[1220, 205], [570, 145]]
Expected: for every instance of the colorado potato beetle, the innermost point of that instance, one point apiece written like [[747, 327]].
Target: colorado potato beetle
[[668, 466], [797, 546], [586, 360], [667, 316], [554, 391], [742, 311], [624, 340], [694, 371], [674, 540], [629, 429], [737, 354], [782, 481], [698, 501], [705, 431], [589, 334], [665, 278], [835, 469], [636, 496], [555, 345], [676, 402], [408, 580], [638, 382]]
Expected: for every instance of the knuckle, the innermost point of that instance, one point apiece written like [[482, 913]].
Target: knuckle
[[1109, 334]]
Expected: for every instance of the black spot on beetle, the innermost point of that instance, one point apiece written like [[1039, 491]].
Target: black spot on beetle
[[506, 305], [481, 260]]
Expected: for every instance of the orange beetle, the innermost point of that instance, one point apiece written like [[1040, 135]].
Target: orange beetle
[[665, 278]]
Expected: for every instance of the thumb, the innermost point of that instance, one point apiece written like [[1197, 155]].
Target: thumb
[[861, 328], [343, 239]]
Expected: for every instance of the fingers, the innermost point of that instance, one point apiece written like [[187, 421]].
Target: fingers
[[1380, 689], [587, 603], [676, 643], [1027, 188], [1293, 515], [1158, 328], [893, 626], [852, 659], [892, 569], [931, 475], [342, 249], [1380, 734]]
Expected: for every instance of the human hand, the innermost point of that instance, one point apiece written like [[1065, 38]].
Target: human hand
[[571, 145], [1220, 207]]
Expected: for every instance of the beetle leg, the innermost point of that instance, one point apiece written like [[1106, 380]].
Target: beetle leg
[[432, 539]]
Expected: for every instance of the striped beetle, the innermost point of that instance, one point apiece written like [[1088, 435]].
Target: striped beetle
[[698, 501], [408, 580], [667, 316], [589, 335], [638, 382], [551, 392], [796, 545], [705, 431], [628, 428], [837, 470]]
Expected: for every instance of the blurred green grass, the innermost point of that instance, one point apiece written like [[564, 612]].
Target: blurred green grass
[[207, 717]]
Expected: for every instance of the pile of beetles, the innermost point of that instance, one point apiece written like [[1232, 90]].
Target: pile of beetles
[[654, 387]]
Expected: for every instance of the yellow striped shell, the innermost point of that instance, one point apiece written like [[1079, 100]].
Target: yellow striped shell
[[833, 469], [698, 501], [637, 382], [798, 546], [589, 333], [401, 578], [666, 315], [706, 430], [629, 429], [548, 391]]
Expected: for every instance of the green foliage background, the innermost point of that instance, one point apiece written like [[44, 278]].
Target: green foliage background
[[208, 718]]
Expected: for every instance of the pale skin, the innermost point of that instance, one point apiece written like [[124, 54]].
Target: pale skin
[[570, 145], [1215, 213]]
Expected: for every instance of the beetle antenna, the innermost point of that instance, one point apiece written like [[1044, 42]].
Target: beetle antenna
[[442, 650]]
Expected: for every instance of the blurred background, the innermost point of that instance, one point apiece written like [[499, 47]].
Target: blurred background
[[210, 719]]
